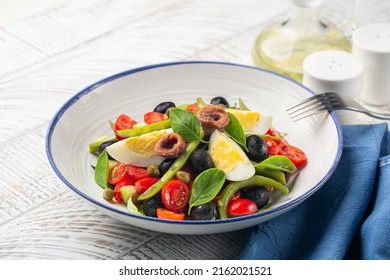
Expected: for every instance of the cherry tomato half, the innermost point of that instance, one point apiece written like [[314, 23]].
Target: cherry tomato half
[[123, 122], [153, 117], [296, 155], [273, 148], [137, 173], [193, 108], [169, 215], [241, 207], [272, 132], [143, 184], [174, 195], [117, 173], [119, 185]]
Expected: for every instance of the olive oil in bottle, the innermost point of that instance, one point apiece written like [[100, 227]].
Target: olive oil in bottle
[[283, 46]]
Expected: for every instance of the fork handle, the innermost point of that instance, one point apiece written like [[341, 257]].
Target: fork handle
[[376, 115]]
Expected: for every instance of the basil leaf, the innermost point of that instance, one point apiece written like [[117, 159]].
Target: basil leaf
[[186, 124], [278, 162], [206, 186], [235, 130], [101, 170]]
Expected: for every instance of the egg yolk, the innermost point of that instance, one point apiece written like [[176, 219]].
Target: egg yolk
[[144, 145], [247, 119], [226, 154]]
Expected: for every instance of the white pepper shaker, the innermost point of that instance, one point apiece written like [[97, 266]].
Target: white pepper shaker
[[335, 71], [371, 43]]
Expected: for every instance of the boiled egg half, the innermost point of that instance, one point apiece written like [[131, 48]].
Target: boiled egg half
[[228, 156], [252, 122], [138, 150]]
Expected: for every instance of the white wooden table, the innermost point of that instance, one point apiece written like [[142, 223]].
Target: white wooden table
[[48, 56]]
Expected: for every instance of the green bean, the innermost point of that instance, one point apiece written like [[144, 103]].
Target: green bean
[[276, 175], [175, 167], [94, 147], [137, 131], [255, 180]]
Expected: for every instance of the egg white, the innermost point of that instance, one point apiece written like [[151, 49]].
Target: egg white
[[242, 169], [120, 152]]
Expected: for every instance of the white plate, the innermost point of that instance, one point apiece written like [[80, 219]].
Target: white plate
[[85, 117]]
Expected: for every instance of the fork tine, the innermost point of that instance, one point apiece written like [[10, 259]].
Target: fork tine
[[316, 99], [307, 100], [315, 104]]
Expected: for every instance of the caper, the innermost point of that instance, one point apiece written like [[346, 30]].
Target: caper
[[257, 148], [183, 176], [153, 170], [108, 194], [163, 107], [219, 100], [201, 160]]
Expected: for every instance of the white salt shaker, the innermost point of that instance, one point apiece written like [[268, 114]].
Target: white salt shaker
[[335, 71], [371, 43]]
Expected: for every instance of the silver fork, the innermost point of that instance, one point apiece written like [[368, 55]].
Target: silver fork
[[330, 101]]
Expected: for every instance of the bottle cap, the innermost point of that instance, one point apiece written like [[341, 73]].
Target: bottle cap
[[371, 43], [334, 71]]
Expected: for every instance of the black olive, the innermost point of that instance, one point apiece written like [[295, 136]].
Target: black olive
[[164, 165], [207, 211], [150, 205], [258, 195], [219, 100], [104, 145], [201, 160], [163, 107], [257, 148]]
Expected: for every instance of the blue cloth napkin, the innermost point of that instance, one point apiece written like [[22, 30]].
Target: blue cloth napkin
[[348, 218]]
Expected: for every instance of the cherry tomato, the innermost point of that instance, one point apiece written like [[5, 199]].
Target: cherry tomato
[[142, 185], [123, 122], [174, 195], [193, 108], [296, 155], [137, 173], [119, 185], [241, 207], [153, 117], [273, 148], [273, 132], [169, 215], [117, 173]]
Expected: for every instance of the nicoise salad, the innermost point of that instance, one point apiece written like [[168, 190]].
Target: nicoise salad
[[198, 161]]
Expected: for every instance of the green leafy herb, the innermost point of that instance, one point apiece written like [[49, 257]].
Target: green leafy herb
[[242, 105], [206, 186], [101, 170], [186, 124], [235, 130], [278, 162]]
